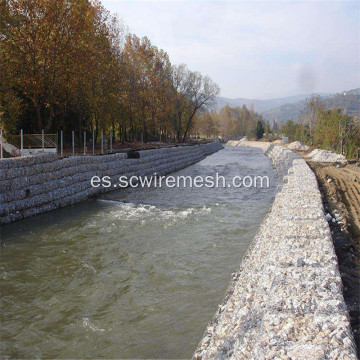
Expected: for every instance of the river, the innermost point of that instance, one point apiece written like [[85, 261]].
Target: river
[[136, 274]]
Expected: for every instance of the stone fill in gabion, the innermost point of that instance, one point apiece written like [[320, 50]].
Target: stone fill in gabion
[[326, 156], [37, 184], [297, 145], [285, 301]]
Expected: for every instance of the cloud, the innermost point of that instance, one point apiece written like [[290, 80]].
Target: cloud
[[250, 48]]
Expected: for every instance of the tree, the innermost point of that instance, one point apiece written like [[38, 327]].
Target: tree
[[267, 129], [326, 129], [314, 107], [190, 92], [207, 125], [275, 127], [346, 128], [259, 130], [289, 128], [237, 122], [70, 65]]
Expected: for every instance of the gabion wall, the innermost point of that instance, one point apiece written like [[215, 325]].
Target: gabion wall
[[36, 184]]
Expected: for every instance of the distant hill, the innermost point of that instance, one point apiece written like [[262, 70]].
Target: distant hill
[[259, 105], [294, 107], [352, 92], [348, 101]]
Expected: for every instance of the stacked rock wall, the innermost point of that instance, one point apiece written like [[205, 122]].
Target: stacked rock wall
[[285, 301], [36, 184]]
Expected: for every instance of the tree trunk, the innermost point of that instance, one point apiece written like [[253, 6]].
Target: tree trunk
[[38, 116], [51, 117]]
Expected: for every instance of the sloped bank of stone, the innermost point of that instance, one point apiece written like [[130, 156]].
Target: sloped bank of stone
[[37, 184], [285, 301]]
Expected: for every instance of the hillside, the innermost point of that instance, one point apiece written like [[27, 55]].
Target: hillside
[[294, 107], [259, 104], [348, 101]]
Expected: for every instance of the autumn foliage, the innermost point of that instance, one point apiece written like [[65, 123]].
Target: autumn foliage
[[71, 65]]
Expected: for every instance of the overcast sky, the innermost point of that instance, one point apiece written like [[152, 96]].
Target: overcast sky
[[255, 49]]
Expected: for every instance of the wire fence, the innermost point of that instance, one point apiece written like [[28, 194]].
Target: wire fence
[[74, 143], [33, 141], [26, 144]]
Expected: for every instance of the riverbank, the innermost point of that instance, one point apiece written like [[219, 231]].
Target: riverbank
[[286, 299], [340, 189], [125, 275], [37, 184]]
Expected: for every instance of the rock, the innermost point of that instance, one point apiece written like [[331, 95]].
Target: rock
[[300, 262], [328, 217], [36, 184], [327, 156], [297, 145], [279, 306]]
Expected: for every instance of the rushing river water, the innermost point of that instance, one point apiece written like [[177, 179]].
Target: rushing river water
[[137, 274]]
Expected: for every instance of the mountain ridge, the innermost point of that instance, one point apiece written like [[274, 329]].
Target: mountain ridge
[[294, 107], [261, 105]]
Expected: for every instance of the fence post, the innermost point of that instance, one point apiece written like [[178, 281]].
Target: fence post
[[111, 135], [102, 142], [22, 141], [42, 140], [84, 142], [73, 141], [61, 144], [93, 141], [1, 144]]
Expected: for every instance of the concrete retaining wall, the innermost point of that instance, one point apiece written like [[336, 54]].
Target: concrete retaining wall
[[285, 301], [36, 184]]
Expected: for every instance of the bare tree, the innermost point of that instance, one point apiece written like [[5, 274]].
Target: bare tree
[[191, 91], [346, 128]]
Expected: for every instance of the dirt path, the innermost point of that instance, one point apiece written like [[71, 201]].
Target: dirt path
[[340, 187]]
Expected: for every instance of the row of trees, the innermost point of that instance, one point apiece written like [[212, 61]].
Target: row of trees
[[326, 129], [231, 122], [71, 65], [329, 129]]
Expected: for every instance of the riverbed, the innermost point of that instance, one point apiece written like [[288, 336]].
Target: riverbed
[[136, 274]]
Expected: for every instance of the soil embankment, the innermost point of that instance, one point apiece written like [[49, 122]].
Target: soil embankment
[[340, 188]]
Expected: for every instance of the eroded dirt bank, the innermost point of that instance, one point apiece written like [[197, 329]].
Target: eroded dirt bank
[[340, 188]]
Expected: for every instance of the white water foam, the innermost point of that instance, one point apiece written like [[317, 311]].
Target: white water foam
[[87, 324], [131, 211]]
